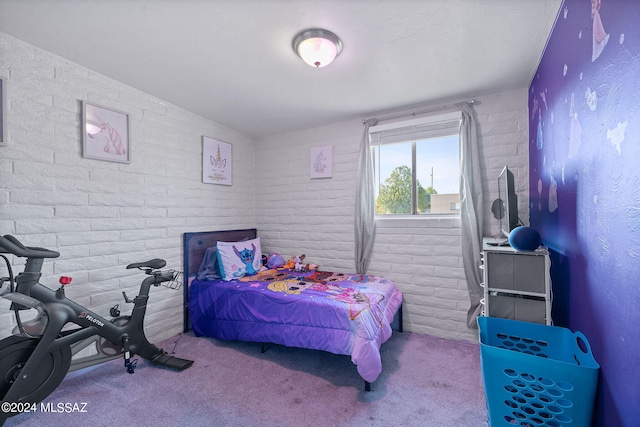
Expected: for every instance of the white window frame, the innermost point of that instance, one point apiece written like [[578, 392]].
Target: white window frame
[[433, 126]]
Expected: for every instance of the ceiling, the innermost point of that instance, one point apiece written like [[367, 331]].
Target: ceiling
[[231, 61]]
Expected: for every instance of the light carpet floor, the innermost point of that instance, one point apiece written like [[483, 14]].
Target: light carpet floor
[[426, 381]]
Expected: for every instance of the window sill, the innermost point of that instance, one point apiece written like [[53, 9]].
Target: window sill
[[435, 220]]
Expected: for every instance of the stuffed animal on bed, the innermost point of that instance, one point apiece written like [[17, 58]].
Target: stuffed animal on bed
[[275, 260], [311, 267], [295, 263], [290, 264]]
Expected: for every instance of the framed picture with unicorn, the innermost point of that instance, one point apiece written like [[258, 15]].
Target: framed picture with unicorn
[[217, 162], [322, 162], [105, 133]]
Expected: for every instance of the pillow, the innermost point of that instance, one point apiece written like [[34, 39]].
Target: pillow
[[238, 259], [209, 269]]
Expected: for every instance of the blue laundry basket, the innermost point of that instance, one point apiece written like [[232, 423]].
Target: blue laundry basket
[[536, 375]]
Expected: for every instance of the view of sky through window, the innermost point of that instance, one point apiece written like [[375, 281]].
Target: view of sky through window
[[438, 154]]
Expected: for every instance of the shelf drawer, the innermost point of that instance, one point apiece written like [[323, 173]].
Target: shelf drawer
[[516, 272], [516, 308]]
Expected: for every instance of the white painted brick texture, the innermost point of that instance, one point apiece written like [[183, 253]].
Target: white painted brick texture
[[297, 214], [102, 216], [99, 215]]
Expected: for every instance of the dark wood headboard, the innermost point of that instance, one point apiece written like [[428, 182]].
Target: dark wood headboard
[[194, 246]]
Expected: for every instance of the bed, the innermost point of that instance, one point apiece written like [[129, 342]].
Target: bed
[[348, 314]]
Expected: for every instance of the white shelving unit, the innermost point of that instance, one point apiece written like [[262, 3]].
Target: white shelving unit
[[517, 284]]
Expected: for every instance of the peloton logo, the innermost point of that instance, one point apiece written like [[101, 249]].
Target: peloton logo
[[90, 318]]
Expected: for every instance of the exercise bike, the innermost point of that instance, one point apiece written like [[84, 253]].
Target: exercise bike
[[42, 350]]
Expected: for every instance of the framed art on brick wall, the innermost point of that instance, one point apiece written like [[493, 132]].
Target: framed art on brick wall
[[322, 162], [105, 133], [3, 109], [217, 162]]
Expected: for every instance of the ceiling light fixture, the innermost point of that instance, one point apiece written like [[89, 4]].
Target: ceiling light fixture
[[317, 47]]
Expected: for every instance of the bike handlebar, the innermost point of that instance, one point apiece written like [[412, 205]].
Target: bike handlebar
[[11, 245]]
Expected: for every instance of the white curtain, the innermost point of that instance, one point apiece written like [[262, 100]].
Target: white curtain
[[365, 203], [471, 213]]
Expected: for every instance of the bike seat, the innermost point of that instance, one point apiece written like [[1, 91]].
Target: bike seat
[[11, 245], [155, 264]]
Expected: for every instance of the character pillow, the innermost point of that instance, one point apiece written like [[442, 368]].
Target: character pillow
[[239, 259]]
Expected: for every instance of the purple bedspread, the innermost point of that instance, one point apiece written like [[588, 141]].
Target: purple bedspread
[[341, 313]]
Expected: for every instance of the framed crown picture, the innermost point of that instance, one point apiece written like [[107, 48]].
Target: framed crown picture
[[217, 162]]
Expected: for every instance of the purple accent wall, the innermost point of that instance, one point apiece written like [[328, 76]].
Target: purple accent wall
[[584, 159]]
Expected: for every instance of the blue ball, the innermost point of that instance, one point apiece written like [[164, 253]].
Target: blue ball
[[524, 239]]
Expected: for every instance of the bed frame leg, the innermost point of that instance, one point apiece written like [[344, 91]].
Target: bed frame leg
[[401, 327], [367, 386], [263, 347]]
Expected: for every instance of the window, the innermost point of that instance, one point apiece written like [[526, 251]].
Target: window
[[417, 166]]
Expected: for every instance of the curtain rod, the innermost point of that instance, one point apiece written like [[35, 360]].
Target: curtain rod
[[417, 113]]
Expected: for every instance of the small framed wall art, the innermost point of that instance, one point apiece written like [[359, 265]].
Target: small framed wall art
[[105, 133], [217, 162], [3, 109], [322, 162]]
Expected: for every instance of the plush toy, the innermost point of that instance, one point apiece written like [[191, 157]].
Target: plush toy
[[290, 264], [298, 265], [275, 260], [311, 267], [295, 263]]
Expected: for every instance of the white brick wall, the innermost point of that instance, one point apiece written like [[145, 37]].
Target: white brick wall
[[101, 216], [296, 214]]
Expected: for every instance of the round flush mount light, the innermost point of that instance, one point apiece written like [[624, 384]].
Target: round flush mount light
[[317, 47]]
